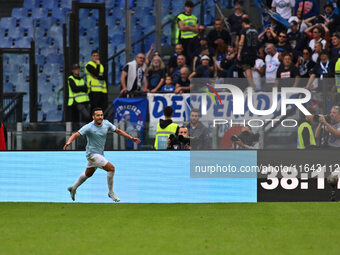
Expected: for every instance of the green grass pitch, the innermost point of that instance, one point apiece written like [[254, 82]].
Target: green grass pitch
[[259, 228]]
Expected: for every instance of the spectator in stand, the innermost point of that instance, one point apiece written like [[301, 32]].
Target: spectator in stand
[[96, 81], [305, 64], [176, 73], [284, 7], [258, 72], [317, 51], [301, 24], [220, 54], [155, 75], [173, 59], [168, 86], [218, 35], [329, 18], [287, 74], [272, 64], [267, 36], [151, 54], [317, 35], [324, 69], [187, 28], [235, 21], [247, 50], [309, 8], [183, 84], [204, 70], [196, 42], [283, 44], [335, 50], [133, 76], [202, 47], [295, 38]]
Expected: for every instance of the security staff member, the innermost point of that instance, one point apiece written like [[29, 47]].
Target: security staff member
[[337, 81], [78, 98], [306, 138], [165, 128], [187, 29], [96, 81]]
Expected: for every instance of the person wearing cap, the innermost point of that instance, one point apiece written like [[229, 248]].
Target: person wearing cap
[[78, 99], [204, 70], [202, 50], [187, 28], [324, 69]]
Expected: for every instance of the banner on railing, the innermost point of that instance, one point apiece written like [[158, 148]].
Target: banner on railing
[[130, 113], [183, 103]]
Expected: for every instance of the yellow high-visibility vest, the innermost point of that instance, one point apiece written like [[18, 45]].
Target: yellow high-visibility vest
[[337, 75], [301, 143], [93, 83], [79, 97], [162, 135], [188, 21]]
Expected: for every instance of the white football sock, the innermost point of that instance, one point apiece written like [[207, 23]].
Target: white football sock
[[80, 180], [110, 181]]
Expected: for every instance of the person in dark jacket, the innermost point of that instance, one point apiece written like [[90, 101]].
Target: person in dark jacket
[[199, 133]]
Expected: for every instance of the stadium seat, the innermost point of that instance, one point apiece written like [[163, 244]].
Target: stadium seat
[[24, 42], [16, 32], [19, 12], [26, 22], [88, 23], [50, 68], [40, 59], [31, 3], [39, 13], [8, 23], [8, 87], [49, 4], [59, 13], [54, 58]]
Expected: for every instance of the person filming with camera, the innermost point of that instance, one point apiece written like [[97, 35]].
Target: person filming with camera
[[329, 125], [246, 140], [180, 142]]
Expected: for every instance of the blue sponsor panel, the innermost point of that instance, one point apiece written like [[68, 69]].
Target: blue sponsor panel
[[141, 177]]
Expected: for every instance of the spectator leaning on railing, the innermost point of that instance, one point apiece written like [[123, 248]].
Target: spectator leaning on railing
[[133, 76]]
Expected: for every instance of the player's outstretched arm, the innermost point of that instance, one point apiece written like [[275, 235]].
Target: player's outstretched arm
[[71, 139], [122, 133]]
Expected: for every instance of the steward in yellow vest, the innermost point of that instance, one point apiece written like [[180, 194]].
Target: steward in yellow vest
[[187, 28], [337, 75], [96, 81], [78, 98], [306, 137], [165, 128]]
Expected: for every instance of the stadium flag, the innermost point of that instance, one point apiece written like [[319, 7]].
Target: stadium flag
[[266, 14], [130, 115]]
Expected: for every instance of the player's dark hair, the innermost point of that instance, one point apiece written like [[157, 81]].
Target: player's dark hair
[[168, 111], [94, 51], [96, 109]]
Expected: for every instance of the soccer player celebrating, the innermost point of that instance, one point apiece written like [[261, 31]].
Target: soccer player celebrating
[[95, 133]]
